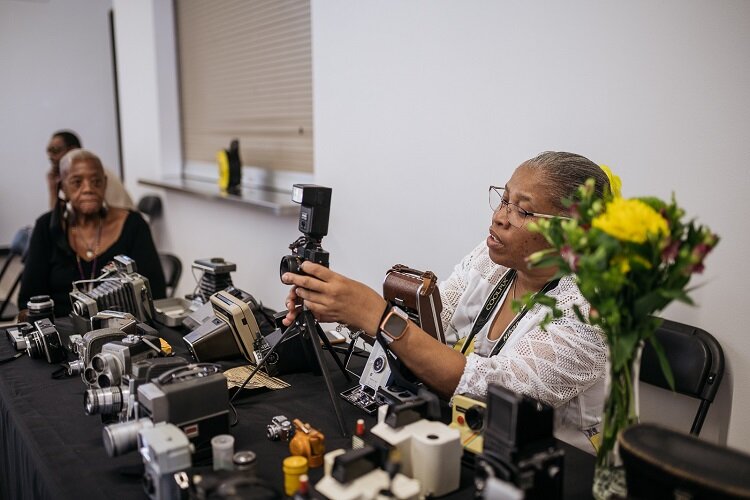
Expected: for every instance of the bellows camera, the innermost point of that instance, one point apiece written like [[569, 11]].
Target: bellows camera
[[519, 446], [119, 288], [314, 212]]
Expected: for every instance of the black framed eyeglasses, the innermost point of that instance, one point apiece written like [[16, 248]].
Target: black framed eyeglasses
[[516, 215]]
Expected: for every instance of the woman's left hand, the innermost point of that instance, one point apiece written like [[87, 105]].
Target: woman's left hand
[[332, 297]]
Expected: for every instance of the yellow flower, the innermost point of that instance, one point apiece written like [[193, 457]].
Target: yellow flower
[[622, 262], [615, 183], [630, 220]]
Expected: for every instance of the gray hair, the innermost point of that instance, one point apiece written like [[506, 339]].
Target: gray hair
[[564, 172], [74, 155]]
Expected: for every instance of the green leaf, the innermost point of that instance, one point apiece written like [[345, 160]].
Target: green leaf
[[663, 361]]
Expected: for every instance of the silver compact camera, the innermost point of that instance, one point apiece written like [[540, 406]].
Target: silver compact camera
[[119, 288], [280, 429], [43, 341], [17, 335]]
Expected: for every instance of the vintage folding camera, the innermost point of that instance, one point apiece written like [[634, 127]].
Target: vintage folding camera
[[118, 288], [43, 341], [166, 451], [171, 398], [519, 446], [119, 403], [215, 276], [416, 292], [115, 359]]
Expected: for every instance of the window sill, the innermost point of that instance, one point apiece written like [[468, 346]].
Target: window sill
[[265, 199]]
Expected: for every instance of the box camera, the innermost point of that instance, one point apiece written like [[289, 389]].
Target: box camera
[[118, 288], [107, 368], [314, 212], [43, 341], [172, 398], [519, 446], [166, 451], [120, 403]]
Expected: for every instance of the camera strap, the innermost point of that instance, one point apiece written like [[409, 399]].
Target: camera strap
[[15, 356], [488, 309]]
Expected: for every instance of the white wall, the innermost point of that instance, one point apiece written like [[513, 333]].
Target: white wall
[[420, 105], [56, 71]]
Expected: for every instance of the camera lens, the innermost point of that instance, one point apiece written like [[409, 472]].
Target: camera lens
[[123, 437], [34, 344], [475, 417], [102, 401], [290, 264], [40, 307]]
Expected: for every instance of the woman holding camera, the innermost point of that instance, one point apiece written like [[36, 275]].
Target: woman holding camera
[[81, 235], [562, 365]]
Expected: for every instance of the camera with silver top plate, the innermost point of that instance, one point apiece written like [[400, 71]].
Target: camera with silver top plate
[[172, 397], [118, 288], [106, 326], [280, 429], [43, 341]]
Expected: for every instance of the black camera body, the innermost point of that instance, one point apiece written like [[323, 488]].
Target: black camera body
[[44, 342], [314, 213], [519, 446], [172, 398]]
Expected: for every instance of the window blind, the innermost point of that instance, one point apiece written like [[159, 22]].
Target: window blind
[[246, 72]]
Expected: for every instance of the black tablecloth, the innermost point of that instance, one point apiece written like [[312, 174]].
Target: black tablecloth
[[51, 449]]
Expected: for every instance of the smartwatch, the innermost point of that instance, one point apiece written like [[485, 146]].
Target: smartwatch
[[394, 325]]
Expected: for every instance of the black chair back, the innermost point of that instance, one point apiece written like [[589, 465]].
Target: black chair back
[[663, 463], [172, 267], [16, 251], [697, 363]]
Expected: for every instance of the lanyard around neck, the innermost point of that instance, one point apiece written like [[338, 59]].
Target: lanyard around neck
[[491, 304]]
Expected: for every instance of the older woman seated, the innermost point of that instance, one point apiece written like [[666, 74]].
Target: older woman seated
[[81, 235], [562, 365]]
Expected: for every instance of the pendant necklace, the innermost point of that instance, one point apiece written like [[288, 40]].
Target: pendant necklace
[[92, 251]]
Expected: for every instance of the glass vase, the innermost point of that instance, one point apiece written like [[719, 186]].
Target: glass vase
[[620, 411]]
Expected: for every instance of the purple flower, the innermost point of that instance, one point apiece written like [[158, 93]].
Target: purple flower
[[569, 257]]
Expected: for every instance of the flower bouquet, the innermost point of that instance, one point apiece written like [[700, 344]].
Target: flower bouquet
[[630, 258]]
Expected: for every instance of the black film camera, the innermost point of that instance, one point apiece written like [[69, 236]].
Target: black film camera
[[519, 447], [315, 209], [43, 341], [172, 398]]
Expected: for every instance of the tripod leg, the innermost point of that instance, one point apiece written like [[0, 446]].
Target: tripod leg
[[328, 345], [310, 326]]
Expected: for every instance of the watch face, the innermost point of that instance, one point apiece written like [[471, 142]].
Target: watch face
[[395, 324]]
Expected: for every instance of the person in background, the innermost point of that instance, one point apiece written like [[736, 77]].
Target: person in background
[[82, 234], [562, 365], [60, 143]]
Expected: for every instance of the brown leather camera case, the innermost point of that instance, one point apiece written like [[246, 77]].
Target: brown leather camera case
[[416, 292]]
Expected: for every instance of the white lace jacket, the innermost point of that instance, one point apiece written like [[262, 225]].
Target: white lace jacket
[[563, 366]]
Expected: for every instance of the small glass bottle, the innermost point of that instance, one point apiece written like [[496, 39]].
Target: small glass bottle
[[358, 438]]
